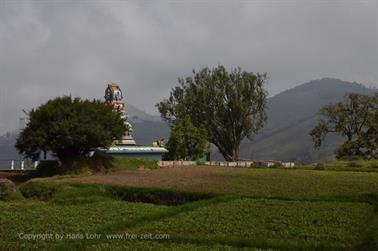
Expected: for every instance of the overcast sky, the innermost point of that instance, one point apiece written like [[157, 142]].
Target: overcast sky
[[48, 50]]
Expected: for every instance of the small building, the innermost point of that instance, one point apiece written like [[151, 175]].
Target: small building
[[135, 152]]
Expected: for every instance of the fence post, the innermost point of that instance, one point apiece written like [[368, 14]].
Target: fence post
[[35, 164], [22, 165], [12, 164]]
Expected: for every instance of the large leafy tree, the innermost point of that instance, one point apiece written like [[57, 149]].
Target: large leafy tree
[[355, 118], [69, 128], [229, 105], [187, 142], [368, 140]]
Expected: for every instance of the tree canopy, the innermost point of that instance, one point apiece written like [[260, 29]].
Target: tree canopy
[[229, 105], [356, 119], [69, 128], [187, 142]]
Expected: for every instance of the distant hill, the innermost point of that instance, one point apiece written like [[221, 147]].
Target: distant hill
[[135, 114], [146, 127], [291, 116]]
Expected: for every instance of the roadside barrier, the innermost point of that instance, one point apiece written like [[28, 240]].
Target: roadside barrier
[[236, 164], [23, 164]]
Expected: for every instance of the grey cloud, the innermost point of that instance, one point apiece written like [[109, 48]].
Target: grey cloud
[[68, 47]]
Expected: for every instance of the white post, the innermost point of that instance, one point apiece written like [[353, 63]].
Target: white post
[[35, 164], [22, 165], [12, 165]]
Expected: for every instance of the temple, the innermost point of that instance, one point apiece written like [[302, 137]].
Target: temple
[[126, 145]]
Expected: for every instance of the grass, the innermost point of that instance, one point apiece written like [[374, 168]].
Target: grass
[[299, 184], [357, 165], [141, 245], [203, 209], [300, 223], [35, 217]]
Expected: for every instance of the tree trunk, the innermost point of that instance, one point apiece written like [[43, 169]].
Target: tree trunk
[[231, 153], [227, 156], [235, 156]]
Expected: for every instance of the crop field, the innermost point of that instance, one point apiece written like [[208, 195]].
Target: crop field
[[195, 208], [282, 183]]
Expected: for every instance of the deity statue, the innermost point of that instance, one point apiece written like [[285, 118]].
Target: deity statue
[[113, 93], [113, 96]]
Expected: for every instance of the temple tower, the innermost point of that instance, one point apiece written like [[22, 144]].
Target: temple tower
[[114, 97]]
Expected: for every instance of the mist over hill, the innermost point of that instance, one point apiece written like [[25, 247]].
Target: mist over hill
[[291, 116]]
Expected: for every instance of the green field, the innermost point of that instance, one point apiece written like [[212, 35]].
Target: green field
[[204, 209]]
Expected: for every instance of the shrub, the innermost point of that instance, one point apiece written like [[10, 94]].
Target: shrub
[[38, 190], [187, 141], [353, 164], [7, 189], [319, 166], [257, 165], [97, 163], [277, 165], [156, 195], [350, 157], [48, 168], [101, 162], [76, 166], [200, 162], [121, 163]]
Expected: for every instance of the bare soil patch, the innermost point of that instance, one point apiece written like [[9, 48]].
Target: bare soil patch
[[168, 177]]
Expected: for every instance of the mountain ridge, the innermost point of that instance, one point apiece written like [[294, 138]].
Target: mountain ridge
[[292, 114]]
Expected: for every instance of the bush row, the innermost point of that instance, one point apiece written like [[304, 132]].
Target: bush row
[[77, 192]]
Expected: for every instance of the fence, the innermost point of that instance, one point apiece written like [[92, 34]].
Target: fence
[[23, 164], [27, 164], [266, 163]]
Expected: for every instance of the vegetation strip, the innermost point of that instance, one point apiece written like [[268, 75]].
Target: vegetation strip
[[261, 243], [121, 226], [210, 220]]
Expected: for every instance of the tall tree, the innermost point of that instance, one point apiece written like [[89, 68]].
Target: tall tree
[[229, 105], [355, 119], [369, 139], [69, 128]]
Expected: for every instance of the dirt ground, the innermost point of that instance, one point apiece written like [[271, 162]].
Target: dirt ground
[[167, 177]]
